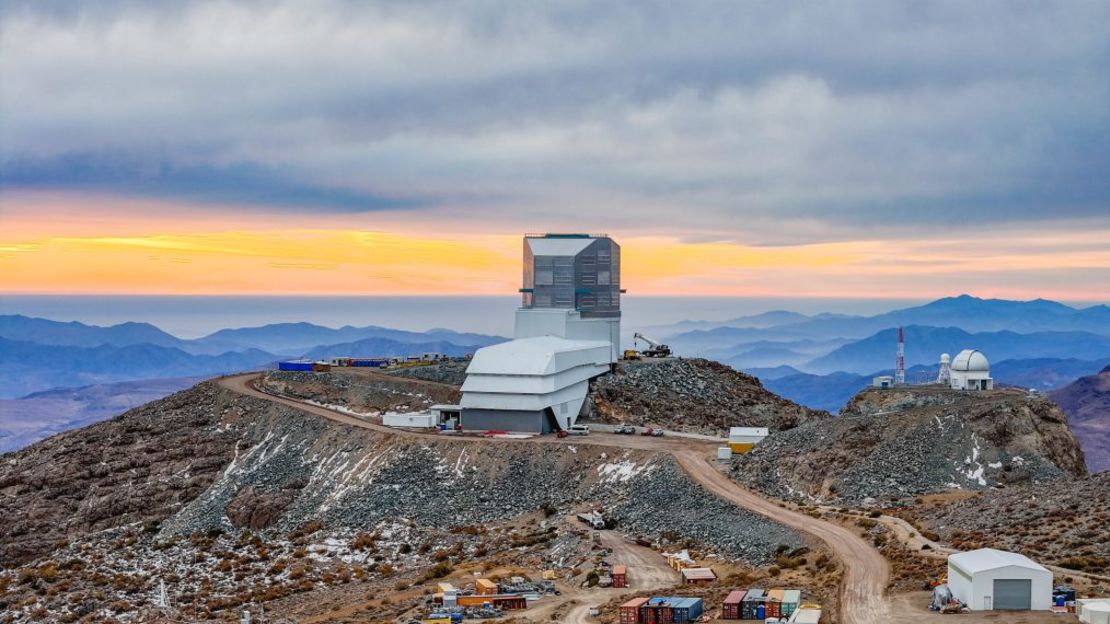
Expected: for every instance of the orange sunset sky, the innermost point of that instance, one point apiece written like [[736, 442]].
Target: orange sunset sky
[[404, 148]]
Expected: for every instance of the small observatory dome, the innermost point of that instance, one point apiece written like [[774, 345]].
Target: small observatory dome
[[971, 360]]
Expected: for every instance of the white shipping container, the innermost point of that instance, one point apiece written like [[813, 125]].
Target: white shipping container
[[422, 421], [724, 452]]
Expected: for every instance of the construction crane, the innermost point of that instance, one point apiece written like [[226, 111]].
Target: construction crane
[[657, 349]]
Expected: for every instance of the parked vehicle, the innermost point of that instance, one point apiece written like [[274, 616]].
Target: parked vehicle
[[578, 430], [626, 430], [652, 432]]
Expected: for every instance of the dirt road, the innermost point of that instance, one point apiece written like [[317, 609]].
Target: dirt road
[[866, 574], [647, 570]]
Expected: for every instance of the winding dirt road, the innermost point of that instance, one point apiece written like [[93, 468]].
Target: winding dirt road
[[866, 572]]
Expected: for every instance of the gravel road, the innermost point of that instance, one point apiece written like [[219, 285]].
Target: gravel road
[[862, 598]]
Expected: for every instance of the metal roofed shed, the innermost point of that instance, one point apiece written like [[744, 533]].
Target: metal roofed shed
[[989, 579], [742, 439], [698, 575]]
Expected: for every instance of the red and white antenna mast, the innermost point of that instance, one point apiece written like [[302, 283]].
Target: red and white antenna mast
[[900, 361]]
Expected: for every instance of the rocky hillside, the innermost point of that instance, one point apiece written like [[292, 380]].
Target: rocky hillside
[[693, 395], [1065, 525], [889, 444], [450, 373], [278, 502], [361, 390], [1087, 404]]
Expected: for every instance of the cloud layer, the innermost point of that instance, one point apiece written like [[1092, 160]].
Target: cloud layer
[[760, 123]]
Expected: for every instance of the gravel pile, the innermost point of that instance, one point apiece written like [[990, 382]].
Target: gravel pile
[[296, 468], [692, 395], [450, 373], [902, 447]]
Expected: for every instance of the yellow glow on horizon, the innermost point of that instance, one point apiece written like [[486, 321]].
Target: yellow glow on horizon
[[344, 262]]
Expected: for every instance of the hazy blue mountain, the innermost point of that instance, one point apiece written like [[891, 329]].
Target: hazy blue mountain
[[925, 344], [386, 347], [42, 414], [968, 313], [773, 372], [297, 338], [1045, 373], [42, 331], [831, 391], [766, 356], [29, 367]]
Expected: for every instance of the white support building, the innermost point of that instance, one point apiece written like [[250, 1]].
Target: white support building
[[989, 579], [970, 370], [567, 331], [531, 384]]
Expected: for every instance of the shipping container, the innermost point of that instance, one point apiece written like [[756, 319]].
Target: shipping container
[[730, 608], [752, 603], [687, 609], [295, 365], [630, 611], [485, 586], [791, 598], [620, 576], [773, 602], [510, 602], [698, 575], [321, 367]]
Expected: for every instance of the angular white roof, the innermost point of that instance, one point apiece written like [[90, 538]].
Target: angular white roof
[[748, 431], [990, 559], [535, 356], [971, 360], [558, 246]]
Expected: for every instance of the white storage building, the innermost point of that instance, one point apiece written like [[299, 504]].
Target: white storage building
[[989, 579], [531, 384], [424, 420]]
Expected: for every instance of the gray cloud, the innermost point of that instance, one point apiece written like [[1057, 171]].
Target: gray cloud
[[752, 121]]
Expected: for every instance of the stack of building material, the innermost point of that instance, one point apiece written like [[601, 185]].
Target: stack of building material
[[620, 576], [630, 611], [753, 607], [806, 614], [791, 598], [680, 560], [691, 576], [730, 608]]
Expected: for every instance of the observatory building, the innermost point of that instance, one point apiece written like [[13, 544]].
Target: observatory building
[[567, 331], [970, 370]]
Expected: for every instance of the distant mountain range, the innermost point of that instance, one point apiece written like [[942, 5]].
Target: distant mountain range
[[965, 312], [42, 414], [39, 354], [278, 338], [1087, 404], [831, 391], [925, 344]]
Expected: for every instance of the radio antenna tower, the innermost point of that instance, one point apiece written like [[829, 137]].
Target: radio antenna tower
[[900, 361]]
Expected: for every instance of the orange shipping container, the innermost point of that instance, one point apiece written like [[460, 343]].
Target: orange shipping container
[[630, 611], [773, 603]]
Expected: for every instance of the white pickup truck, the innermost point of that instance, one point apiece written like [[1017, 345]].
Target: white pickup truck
[[593, 519]]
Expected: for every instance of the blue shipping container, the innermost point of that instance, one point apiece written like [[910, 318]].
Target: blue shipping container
[[295, 365], [687, 609]]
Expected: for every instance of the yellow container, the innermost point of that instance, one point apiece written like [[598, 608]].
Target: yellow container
[[740, 447], [549, 575]]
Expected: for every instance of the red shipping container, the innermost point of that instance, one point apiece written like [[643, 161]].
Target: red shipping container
[[730, 608], [630, 611], [620, 576]]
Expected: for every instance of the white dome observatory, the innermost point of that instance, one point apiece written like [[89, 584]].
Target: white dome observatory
[[971, 371]]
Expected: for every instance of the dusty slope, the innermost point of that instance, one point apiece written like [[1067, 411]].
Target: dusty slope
[[365, 391], [692, 395], [1086, 401], [898, 443], [1062, 524]]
